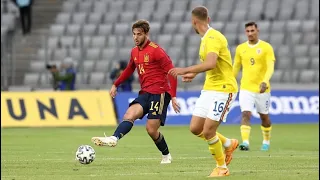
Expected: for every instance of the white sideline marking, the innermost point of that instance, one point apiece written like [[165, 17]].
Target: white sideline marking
[[153, 158]]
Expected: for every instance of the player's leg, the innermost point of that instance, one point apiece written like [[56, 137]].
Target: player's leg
[[230, 145], [136, 110], [218, 112], [157, 114], [246, 101], [199, 115], [215, 147], [196, 126], [152, 128], [263, 103]]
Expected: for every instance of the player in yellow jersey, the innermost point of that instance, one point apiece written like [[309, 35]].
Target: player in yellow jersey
[[219, 90], [257, 60]]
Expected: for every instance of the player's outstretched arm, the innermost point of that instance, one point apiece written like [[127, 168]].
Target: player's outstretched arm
[[208, 64], [188, 77]]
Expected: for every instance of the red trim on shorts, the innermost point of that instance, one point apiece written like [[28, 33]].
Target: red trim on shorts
[[226, 106]]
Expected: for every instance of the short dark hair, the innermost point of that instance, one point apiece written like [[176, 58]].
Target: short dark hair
[[200, 12], [251, 24], [142, 24]]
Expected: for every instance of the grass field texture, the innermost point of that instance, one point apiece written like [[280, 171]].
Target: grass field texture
[[48, 154]]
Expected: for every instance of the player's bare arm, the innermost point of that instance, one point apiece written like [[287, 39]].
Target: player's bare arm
[[113, 91], [188, 77], [175, 105], [208, 64]]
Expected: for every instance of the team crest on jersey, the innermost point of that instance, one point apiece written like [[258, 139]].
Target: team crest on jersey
[[258, 51], [146, 58], [135, 59]]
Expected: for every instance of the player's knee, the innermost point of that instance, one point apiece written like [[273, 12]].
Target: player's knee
[[246, 116], [196, 130], [128, 116], [134, 112], [265, 120], [152, 130]]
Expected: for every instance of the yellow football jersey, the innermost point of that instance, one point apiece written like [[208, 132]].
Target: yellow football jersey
[[221, 77], [254, 59]]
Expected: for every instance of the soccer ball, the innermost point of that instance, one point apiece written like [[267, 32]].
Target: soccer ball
[[85, 154]]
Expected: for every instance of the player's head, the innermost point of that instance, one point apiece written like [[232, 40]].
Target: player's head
[[199, 17], [252, 31], [140, 31]]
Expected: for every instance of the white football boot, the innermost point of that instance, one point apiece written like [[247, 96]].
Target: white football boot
[[110, 141], [166, 159]]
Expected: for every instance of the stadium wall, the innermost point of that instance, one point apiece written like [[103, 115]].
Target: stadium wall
[[95, 108], [287, 106], [57, 109]]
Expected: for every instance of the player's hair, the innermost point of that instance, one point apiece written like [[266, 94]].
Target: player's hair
[[200, 12], [142, 24], [251, 24]]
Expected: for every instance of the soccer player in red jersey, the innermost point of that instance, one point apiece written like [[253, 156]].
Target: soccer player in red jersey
[[157, 89]]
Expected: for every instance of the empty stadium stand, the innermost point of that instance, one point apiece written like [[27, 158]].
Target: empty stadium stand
[[97, 34]]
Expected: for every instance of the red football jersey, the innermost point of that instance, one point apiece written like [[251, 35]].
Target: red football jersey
[[152, 64]]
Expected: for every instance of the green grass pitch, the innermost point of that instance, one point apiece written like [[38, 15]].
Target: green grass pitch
[[48, 154]]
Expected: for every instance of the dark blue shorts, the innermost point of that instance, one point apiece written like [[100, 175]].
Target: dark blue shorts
[[155, 105]]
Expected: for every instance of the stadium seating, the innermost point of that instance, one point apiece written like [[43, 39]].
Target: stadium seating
[[291, 26]]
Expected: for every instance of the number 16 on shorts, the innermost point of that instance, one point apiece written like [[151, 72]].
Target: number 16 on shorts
[[220, 107]]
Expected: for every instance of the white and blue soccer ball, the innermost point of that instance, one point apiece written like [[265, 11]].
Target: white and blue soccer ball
[[85, 154]]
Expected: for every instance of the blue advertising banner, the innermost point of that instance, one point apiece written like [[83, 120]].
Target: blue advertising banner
[[286, 107]]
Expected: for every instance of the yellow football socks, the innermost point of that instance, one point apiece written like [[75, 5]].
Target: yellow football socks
[[225, 141], [201, 136], [245, 133], [221, 137], [266, 133], [215, 147]]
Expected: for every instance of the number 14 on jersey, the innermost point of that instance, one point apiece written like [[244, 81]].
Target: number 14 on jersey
[[141, 69]]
